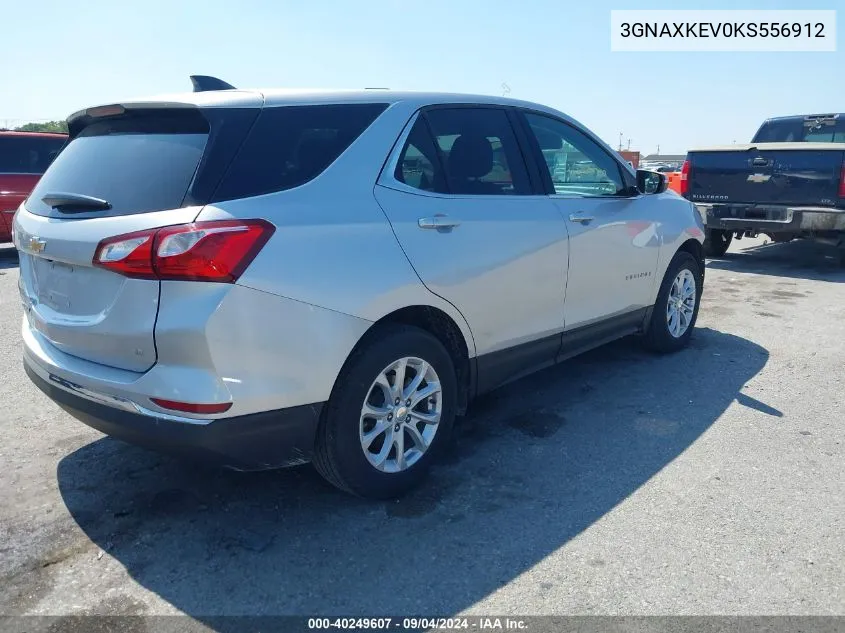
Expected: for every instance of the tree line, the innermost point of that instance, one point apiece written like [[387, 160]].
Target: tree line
[[45, 126]]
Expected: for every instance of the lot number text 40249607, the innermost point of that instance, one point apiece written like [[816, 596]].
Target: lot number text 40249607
[[419, 624]]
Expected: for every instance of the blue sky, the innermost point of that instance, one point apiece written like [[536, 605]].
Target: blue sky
[[59, 57]]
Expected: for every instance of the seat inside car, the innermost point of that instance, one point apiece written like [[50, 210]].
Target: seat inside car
[[470, 159]]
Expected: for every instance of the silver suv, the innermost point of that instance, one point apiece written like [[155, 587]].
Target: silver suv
[[267, 278]]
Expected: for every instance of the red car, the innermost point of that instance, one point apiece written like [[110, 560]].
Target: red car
[[24, 157]]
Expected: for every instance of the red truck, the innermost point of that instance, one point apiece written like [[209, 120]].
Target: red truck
[[24, 157]]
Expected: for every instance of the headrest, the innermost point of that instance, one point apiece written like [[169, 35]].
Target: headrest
[[471, 156]]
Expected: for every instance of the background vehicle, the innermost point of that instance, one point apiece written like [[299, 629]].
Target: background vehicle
[[24, 156], [334, 275], [788, 182]]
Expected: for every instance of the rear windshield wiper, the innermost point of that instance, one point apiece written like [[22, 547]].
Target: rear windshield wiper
[[75, 202]]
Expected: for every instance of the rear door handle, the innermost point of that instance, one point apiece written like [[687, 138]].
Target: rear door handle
[[438, 222], [583, 219]]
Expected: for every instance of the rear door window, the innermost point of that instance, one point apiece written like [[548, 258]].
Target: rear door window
[[479, 151], [26, 154], [291, 145], [137, 164]]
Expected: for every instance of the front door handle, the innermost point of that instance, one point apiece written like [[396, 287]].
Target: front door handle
[[439, 222], [583, 219]]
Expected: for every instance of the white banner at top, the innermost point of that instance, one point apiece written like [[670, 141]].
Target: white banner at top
[[723, 31]]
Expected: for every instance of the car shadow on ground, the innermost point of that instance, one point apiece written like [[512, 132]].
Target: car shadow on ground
[[533, 465], [803, 259]]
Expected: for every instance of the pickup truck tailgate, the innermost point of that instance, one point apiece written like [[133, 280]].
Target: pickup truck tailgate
[[767, 174]]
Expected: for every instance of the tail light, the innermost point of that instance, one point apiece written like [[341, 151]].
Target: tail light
[[218, 250], [684, 181], [842, 181]]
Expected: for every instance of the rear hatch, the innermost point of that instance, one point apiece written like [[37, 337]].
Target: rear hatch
[[800, 174], [127, 168]]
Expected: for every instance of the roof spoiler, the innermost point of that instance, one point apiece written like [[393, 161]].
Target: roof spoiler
[[205, 83]]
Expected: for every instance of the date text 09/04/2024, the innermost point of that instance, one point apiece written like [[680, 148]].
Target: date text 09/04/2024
[[418, 623]]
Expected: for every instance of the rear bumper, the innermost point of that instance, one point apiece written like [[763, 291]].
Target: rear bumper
[[772, 218], [272, 439]]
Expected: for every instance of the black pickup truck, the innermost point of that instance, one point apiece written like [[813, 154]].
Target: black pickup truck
[[788, 182]]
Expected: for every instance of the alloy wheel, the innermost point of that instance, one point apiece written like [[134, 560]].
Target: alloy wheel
[[680, 306], [400, 414]]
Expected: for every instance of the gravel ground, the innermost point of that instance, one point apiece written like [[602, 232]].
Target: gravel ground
[[707, 482]]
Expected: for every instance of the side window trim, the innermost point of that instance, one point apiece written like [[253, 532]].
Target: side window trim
[[387, 176], [524, 141], [547, 187], [437, 151], [436, 160], [538, 155]]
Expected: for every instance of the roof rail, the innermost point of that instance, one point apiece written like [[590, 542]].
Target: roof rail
[[205, 83]]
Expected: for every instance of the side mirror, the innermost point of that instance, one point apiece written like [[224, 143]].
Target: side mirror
[[649, 182]]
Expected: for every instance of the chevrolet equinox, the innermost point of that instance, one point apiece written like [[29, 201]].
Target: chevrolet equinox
[[267, 278]]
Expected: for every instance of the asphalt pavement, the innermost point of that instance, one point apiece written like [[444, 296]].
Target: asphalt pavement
[[711, 481]]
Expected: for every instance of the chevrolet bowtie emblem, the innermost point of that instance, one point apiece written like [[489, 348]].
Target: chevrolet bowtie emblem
[[759, 178], [36, 244]]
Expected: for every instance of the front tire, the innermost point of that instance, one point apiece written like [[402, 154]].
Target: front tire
[[717, 242], [390, 413], [676, 308]]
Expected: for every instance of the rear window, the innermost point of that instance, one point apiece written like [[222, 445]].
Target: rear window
[[28, 154], [801, 130], [136, 163], [291, 145]]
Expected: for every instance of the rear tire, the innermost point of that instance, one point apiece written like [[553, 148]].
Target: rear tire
[[364, 387], [674, 314], [716, 242]]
